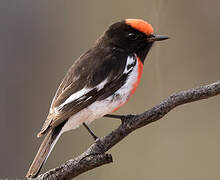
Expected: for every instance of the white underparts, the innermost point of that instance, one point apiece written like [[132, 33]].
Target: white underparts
[[99, 108]]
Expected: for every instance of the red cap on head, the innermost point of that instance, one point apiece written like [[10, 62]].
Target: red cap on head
[[140, 25]]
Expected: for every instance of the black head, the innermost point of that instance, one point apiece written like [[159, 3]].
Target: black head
[[133, 36]]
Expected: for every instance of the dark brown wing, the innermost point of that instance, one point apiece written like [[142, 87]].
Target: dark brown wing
[[88, 71]]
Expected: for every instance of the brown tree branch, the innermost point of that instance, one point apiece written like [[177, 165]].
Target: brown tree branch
[[95, 155]]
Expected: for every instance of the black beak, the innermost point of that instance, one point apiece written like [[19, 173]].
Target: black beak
[[154, 37]]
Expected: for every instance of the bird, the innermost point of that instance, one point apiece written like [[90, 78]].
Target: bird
[[98, 83]]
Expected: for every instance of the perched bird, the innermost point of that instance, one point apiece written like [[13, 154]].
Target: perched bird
[[98, 83]]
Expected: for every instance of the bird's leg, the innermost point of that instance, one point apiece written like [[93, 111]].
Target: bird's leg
[[90, 132], [123, 118]]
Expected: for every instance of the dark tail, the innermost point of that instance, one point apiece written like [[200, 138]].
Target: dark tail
[[44, 151]]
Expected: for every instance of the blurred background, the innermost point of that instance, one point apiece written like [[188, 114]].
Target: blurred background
[[39, 41]]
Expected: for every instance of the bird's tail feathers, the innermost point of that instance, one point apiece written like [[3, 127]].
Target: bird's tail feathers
[[44, 152]]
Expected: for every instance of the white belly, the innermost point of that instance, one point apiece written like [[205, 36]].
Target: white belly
[[99, 108]]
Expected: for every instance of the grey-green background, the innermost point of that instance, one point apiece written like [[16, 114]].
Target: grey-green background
[[40, 39]]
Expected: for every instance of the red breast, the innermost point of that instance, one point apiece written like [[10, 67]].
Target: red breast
[[135, 84]]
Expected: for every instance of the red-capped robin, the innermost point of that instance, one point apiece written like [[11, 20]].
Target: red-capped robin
[[98, 83]]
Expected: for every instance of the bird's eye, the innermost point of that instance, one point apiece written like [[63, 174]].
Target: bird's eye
[[132, 36]]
